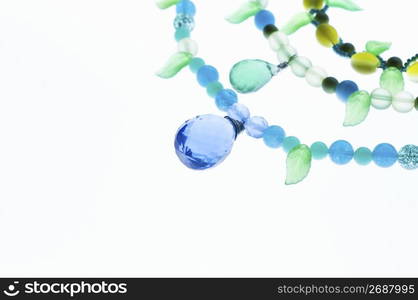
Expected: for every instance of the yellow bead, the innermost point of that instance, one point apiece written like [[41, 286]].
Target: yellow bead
[[365, 62], [326, 35], [313, 4], [413, 72]]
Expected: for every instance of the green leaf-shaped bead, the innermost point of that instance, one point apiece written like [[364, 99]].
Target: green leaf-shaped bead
[[247, 10], [163, 4], [175, 63], [297, 22], [357, 108], [344, 4], [250, 75], [377, 48], [298, 164], [392, 80]]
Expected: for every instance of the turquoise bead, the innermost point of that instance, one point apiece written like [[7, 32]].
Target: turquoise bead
[[319, 150], [213, 88], [273, 136], [181, 33], [363, 156], [385, 155], [186, 7], [196, 64], [290, 142]]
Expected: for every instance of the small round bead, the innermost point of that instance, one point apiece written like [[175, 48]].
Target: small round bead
[[186, 7], [395, 62], [408, 157], [326, 35], [213, 88], [403, 102], [255, 127], [381, 98], [269, 29], [184, 21], [315, 75], [348, 49], [188, 45], [289, 143], [300, 65], [341, 152], [329, 85], [239, 112], [181, 33], [285, 53], [207, 74], [225, 99], [385, 155], [345, 89], [273, 136], [196, 64], [321, 17], [264, 18], [319, 150], [277, 40], [313, 4], [363, 156]]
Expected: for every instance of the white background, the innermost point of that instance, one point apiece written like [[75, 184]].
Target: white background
[[90, 184]]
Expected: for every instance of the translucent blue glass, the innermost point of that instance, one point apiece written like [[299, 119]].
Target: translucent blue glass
[[264, 18], [345, 89], [255, 127], [273, 136], [341, 152], [207, 74], [184, 21], [181, 33], [408, 157], [385, 155], [225, 99], [186, 7], [239, 112]]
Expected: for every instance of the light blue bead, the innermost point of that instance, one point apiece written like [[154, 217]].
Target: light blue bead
[[345, 89], [181, 33], [205, 141], [289, 143], [239, 112], [385, 155], [264, 18], [319, 150], [341, 152], [207, 74], [196, 63], [213, 88], [273, 136], [363, 156], [186, 7], [408, 157], [255, 127], [225, 99], [184, 21]]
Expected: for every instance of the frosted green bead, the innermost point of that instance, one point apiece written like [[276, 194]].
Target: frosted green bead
[[298, 164], [326, 35], [250, 75], [247, 10], [376, 47], [365, 62], [319, 150], [344, 4], [163, 4], [363, 156], [357, 108], [175, 63], [392, 80], [381, 98], [297, 22], [213, 88], [403, 102], [300, 65]]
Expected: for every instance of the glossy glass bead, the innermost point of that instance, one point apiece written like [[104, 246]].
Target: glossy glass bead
[[273, 136], [225, 99], [184, 21], [269, 29], [213, 88], [315, 75], [363, 156], [205, 141], [395, 62], [181, 33], [412, 72], [300, 65], [392, 80], [278, 40], [239, 112], [321, 17], [289, 143], [403, 102], [264, 18], [285, 53], [313, 4], [319, 150], [345, 89], [385, 155], [188, 45], [186, 7], [255, 126], [347, 48], [365, 62], [329, 85], [196, 64], [326, 35], [341, 152], [408, 157], [381, 98], [207, 74]]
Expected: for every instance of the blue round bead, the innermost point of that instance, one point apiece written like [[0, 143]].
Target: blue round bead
[[239, 112], [186, 7], [255, 127], [225, 99], [385, 155], [204, 141], [184, 21], [196, 63], [181, 33], [345, 89], [289, 143], [264, 18], [207, 74], [341, 152], [274, 136]]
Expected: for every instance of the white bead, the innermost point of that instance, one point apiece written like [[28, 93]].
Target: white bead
[[381, 98], [188, 45], [285, 53], [300, 65], [315, 75], [403, 102], [263, 3], [278, 40]]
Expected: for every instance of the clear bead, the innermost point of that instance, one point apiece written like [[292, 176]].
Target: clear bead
[[381, 98], [278, 40], [184, 21], [403, 102], [239, 112], [408, 157], [255, 127], [300, 65], [285, 53], [188, 45], [315, 75]]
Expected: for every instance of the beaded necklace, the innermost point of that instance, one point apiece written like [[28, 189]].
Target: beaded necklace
[[205, 141]]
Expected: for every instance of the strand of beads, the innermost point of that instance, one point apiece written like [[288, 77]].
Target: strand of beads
[[205, 141]]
